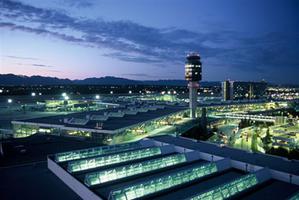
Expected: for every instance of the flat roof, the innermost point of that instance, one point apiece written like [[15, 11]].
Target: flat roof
[[33, 181], [272, 189], [113, 123], [37, 148]]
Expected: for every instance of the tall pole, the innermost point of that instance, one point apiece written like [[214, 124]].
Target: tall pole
[[193, 87]]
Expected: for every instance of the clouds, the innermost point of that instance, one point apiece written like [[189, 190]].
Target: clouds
[[41, 65], [133, 42], [27, 61], [79, 3], [121, 36], [18, 57]]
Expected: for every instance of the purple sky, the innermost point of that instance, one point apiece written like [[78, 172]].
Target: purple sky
[[148, 39]]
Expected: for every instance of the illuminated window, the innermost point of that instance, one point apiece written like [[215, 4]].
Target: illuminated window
[[89, 163]]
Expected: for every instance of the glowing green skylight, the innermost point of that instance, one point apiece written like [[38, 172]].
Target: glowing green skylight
[[95, 151], [164, 182], [89, 163], [295, 197], [228, 190], [133, 169]]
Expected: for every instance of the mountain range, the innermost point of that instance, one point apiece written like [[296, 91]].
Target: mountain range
[[16, 80]]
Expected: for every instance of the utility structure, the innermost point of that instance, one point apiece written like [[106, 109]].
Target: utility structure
[[193, 76]]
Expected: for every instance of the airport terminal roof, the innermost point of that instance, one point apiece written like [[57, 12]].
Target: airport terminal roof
[[141, 163], [151, 170], [112, 122], [25, 174], [37, 147]]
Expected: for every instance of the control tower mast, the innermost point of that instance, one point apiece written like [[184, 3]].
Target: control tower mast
[[193, 76]]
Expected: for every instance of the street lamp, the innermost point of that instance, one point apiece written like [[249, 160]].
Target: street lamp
[[97, 96], [33, 94], [9, 100]]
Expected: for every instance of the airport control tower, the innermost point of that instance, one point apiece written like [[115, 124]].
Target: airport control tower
[[193, 76]]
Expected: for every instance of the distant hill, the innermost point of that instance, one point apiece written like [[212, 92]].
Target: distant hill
[[15, 80], [107, 80], [11, 79]]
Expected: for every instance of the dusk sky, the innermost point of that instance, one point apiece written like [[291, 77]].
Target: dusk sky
[[148, 39]]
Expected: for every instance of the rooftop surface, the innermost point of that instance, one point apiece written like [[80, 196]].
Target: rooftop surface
[[37, 147], [147, 177], [112, 123], [32, 180], [25, 175]]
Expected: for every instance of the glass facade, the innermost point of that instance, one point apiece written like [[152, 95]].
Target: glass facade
[[228, 190], [164, 182], [89, 163], [22, 130], [134, 169], [96, 151]]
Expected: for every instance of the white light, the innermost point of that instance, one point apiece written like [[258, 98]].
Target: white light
[[33, 94], [66, 97], [130, 92], [174, 92], [40, 94], [1, 90], [9, 100], [111, 92], [168, 92], [97, 96], [64, 94]]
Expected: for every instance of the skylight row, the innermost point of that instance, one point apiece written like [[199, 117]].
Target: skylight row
[[89, 163], [228, 190], [164, 182], [95, 151], [133, 169]]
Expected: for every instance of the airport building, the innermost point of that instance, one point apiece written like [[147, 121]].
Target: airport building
[[227, 91], [168, 167], [240, 90], [130, 120]]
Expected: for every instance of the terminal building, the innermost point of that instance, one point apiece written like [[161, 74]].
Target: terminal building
[[168, 167], [240, 90], [104, 125]]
